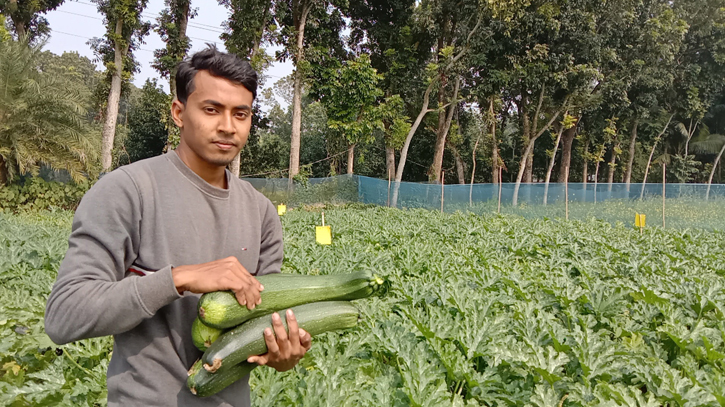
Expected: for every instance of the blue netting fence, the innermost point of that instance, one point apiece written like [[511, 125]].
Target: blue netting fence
[[686, 205]]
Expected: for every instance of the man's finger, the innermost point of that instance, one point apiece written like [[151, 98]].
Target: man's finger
[[294, 336], [261, 360], [229, 284], [279, 330], [272, 347], [305, 339], [246, 284], [252, 296]]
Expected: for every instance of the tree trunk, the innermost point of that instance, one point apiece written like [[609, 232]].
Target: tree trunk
[[585, 171], [567, 139], [294, 160], [390, 161], [709, 180], [460, 165], [529, 170], [4, 172], [404, 151], [651, 154], [530, 148], [494, 150], [18, 23], [526, 124], [444, 124], [260, 33], [612, 165], [473, 170], [522, 168], [646, 170], [551, 163], [630, 158], [235, 164], [690, 132], [350, 159], [170, 121], [114, 96], [183, 14]]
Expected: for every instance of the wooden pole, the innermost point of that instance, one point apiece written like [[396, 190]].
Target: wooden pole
[[443, 181], [566, 192], [388, 204], [664, 182], [499, 188]]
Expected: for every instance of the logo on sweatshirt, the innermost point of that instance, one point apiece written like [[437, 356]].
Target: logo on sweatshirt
[[140, 270]]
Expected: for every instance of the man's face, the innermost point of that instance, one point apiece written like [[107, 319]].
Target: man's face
[[215, 121]]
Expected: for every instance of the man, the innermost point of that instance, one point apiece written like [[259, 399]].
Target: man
[[149, 237]]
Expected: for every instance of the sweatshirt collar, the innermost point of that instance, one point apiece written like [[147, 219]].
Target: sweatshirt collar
[[198, 181]]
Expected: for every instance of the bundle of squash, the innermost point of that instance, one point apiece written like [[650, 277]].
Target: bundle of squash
[[228, 333]]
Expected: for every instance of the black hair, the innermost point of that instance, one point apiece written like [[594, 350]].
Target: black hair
[[219, 64]]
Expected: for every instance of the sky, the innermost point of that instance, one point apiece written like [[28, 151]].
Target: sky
[[75, 22]]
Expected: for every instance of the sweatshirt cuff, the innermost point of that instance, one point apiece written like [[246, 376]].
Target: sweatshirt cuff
[[156, 290]]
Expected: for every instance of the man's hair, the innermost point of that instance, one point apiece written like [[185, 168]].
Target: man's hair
[[217, 63]]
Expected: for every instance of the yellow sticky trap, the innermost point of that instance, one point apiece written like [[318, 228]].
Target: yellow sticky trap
[[281, 209], [323, 234], [639, 220]]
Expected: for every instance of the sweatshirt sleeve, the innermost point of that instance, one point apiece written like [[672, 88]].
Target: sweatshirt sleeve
[[271, 251], [91, 297]]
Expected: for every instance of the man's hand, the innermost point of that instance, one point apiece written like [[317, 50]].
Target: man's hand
[[219, 275], [284, 352]]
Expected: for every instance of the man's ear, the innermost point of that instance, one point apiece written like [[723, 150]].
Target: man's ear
[[177, 113]]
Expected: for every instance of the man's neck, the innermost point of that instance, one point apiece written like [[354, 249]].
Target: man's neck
[[213, 174]]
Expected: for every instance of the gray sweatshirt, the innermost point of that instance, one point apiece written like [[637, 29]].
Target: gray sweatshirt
[[130, 229]]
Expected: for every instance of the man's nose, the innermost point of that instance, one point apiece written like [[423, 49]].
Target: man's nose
[[226, 123]]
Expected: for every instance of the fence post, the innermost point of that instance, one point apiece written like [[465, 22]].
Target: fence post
[[443, 181], [388, 204], [664, 182], [566, 192], [500, 172]]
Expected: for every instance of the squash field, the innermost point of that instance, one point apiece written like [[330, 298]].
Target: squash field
[[489, 311]]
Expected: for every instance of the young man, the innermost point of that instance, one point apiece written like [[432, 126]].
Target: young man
[[149, 237]]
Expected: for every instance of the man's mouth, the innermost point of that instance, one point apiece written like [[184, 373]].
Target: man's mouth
[[224, 145]]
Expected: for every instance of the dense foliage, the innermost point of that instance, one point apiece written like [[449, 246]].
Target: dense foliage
[[416, 90], [480, 311]]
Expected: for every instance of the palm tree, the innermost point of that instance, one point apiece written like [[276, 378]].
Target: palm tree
[[41, 119], [711, 144]]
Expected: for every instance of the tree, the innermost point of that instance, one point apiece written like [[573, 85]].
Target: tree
[[350, 95], [27, 16], [453, 24], [42, 118], [399, 51], [124, 33], [293, 36], [77, 72], [147, 123], [171, 26], [249, 23]]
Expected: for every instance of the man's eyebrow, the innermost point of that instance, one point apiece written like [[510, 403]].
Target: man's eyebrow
[[213, 103], [219, 104]]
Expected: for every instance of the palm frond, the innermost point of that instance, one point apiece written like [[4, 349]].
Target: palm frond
[[43, 119], [711, 145], [681, 130]]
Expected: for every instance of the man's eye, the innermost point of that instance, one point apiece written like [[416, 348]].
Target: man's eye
[[241, 115], [210, 110]]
